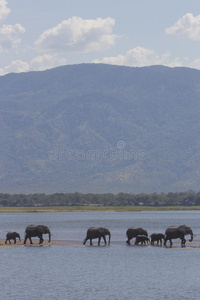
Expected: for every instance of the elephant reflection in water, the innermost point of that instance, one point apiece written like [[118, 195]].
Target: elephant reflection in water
[[97, 232]]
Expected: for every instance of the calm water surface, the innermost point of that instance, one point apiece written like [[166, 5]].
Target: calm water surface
[[106, 272]]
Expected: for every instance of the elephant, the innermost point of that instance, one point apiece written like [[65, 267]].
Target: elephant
[[97, 232], [36, 230], [12, 236], [141, 239], [133, 232], [175, 232], [157, 237]]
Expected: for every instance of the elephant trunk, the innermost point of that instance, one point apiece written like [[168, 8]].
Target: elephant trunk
[[191, 239], [109, 239], [49, 237]]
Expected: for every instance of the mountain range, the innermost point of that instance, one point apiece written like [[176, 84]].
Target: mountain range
[[96, 128]]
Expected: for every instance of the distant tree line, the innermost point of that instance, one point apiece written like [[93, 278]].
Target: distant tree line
[[122, 199]]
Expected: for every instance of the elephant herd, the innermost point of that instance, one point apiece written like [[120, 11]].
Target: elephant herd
[[140, 235], [172, 232]]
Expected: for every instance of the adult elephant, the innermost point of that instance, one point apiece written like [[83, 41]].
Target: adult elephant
[[12, 236], [175, 232], [157, 237], [133, 232], [141, 239], [36, 231], [97, 232]]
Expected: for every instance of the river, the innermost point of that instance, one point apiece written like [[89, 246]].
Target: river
[[115, 272]]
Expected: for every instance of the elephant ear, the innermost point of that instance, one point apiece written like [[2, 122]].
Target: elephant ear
[[42, 228], [185, 229], [101, 230]]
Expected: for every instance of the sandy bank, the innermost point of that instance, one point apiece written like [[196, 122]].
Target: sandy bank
[[36, 243], [176, 244]]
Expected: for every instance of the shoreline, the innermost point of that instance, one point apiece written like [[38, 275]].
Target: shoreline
[[36, 243], [176, 244], [94, 209]]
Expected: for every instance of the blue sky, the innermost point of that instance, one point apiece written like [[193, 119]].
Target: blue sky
[[39, 35]]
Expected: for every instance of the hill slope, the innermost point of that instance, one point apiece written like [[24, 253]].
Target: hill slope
[[100, 128]]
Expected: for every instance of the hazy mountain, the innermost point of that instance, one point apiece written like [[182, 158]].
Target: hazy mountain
[[100, 128]]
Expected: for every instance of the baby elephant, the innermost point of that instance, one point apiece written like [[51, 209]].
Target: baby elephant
[[157, 237], [12, 236], [141, 239]]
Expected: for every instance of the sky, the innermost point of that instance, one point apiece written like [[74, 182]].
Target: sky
[[43, 34]]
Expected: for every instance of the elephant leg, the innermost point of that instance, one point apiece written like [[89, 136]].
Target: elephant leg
[[6, 241], [183, 241], [104, 239], [91, 242], [41, 238], [85, 241], [128, 242], [30, 240], [99, 241], [15, 241], [9, 241]]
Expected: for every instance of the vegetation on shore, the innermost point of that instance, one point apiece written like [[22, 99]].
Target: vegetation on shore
[[94, 202]]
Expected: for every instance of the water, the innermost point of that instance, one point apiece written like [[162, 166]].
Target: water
[[115, 272]]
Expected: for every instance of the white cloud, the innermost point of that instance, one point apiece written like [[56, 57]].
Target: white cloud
[[195, 64], [137, 57], [38, 63], [10, 36], [4, 10], [78, 35], [16, 66], [188, 26], [44, 62]]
